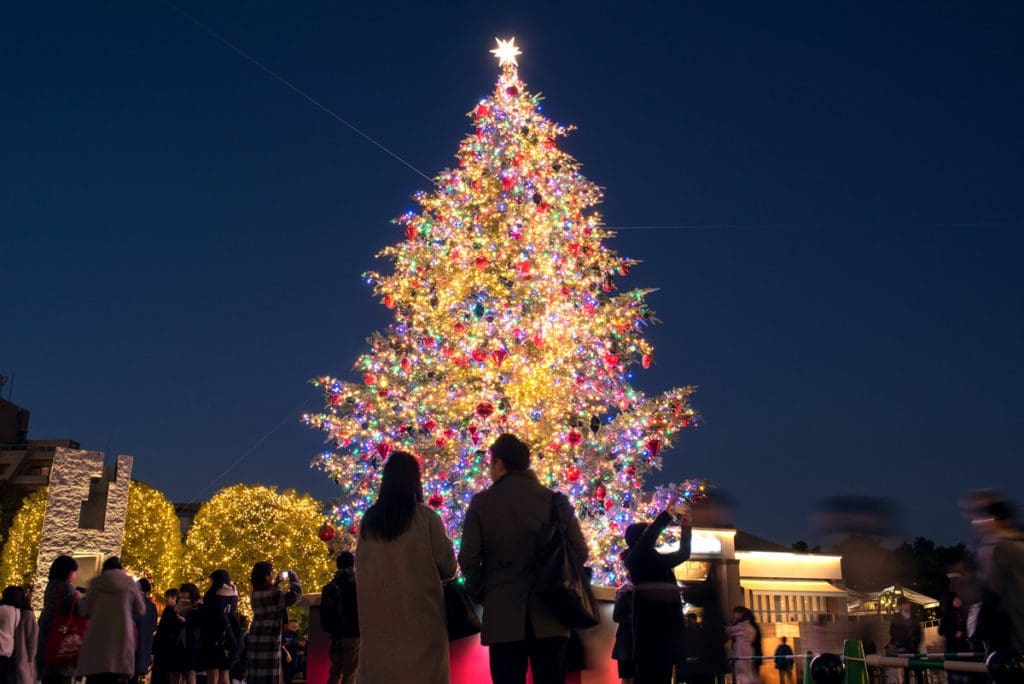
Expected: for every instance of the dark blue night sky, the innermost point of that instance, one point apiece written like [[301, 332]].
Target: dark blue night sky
[[183, 236]]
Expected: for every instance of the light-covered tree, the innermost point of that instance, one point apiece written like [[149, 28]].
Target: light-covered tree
[[152, 537], [244, 524], [18, 561], [151, 547]]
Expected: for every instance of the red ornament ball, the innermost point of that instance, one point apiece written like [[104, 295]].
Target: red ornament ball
[[482, 262], [435, 500], [654, 446], [572, 474], [600, 492], [611, 359], [326, 533], [512, 91], [370, 379], [645, 360], [574, 437], [484, 409]]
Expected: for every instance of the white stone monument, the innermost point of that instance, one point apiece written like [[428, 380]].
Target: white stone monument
[[86, 506]]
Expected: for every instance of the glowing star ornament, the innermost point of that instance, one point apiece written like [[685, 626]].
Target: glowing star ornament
[[506, 52]]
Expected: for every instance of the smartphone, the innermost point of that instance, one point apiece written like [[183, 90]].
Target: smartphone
[[283, 577]]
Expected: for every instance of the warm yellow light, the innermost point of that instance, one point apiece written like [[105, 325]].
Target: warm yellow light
[[506, 52]]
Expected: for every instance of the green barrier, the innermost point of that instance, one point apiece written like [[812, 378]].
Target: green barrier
[[808, 679], [856, 669]]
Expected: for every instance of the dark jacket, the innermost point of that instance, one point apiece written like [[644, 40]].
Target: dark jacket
[[339, 608], [783, 661], [219, 632], [499, 553], [905, 635], [953, 629], [657, 610], [145, 628]]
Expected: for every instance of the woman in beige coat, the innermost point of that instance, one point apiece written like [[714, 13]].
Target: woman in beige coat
[[111, 604], [402, 557]]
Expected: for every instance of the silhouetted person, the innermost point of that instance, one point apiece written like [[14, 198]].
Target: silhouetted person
[[402, 559], [784, 661], [498, 557], [339, 617], [905, 635], [657, 610], [145, 631]]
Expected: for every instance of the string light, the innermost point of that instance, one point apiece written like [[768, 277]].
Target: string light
[[508, 317], [244, 524]]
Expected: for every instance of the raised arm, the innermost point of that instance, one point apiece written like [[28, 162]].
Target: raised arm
[[680, 556]]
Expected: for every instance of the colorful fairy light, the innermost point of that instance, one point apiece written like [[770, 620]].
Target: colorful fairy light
[[507, 318]]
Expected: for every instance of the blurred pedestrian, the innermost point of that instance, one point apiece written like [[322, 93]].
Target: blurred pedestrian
[[184, 657], [784, 661], [1000, 558], [746, 645], [402, 543], [269, 600], [111, 604], [622, 649], [905, 635]]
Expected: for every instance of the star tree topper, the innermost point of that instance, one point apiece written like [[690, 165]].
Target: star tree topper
[[506, 52]]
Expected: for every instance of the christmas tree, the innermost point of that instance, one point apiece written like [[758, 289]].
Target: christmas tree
[[507, 318]]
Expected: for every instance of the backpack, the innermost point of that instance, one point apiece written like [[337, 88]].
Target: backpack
[[333, 618]]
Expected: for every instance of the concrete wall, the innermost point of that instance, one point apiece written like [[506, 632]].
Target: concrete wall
[[85, 512]]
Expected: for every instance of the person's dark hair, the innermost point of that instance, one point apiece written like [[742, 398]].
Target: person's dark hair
[[511, 451], [1000, 510], [61, 568], [260, 576], [112, 563], [902, 601], [346, 560], [400, 492], [634, 532], [218, 578], [171, 593], [145, 587], [189, 591], [782, 639], [14, 596]]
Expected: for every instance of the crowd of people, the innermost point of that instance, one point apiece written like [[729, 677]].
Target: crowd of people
[[385, 609]]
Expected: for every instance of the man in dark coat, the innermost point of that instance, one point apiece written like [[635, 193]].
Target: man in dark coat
[[905, 635], [339, 617], [498, 557], [657, 608], [145, 628]]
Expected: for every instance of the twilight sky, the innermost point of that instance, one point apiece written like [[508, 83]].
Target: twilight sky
[[182, 236]]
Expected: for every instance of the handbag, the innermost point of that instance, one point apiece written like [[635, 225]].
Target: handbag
[[460, 613], [561, 582], [64, 638]]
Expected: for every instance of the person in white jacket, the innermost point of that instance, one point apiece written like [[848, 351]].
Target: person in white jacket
[[111, 604], [745, 635]]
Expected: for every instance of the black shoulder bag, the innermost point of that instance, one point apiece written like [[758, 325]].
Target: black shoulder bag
[[561, 583]]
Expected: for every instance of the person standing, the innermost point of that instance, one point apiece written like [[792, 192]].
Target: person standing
[[10, 621], [784, 661], [60, 599], [657, 608], [746, 640], [219, 632], [339, 617], [184, 657], [269, 604], [905, 635], [402, 543], [145, 631], [111, 604], [167, 633], [26, 636], [498, 556]]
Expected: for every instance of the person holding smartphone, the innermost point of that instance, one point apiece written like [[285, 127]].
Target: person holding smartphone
[[270, 599]]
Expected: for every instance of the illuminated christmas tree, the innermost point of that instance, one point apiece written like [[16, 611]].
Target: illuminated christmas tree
[[507, 318]]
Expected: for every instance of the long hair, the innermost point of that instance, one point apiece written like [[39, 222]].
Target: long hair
[[259, 574], [400, 492], [61, 568], [218, 579], [14, 596]]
